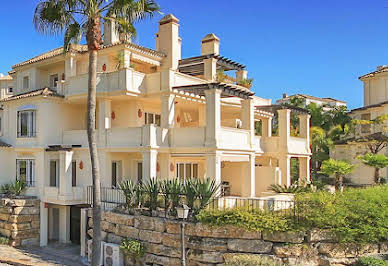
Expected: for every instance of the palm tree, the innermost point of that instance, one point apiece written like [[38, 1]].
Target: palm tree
[[377, 161], [338, 169], [82, 18]]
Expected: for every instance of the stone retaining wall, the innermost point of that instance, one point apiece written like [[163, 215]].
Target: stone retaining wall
[[211, 245], [20, 220]]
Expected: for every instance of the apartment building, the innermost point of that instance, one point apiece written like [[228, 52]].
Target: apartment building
[[327, 103], [375, 104], [158, 116]]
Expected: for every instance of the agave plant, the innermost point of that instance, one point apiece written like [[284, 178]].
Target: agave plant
[[128, 188], [206, 191], [14, 189], [294, 188], [190, 191], [152, 189], [171, 190]]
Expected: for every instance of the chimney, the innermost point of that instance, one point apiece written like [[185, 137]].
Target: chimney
[[285, 95], [111, 35], [169, 42], [210, 45]]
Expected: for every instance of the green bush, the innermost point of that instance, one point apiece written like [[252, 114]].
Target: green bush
[[14, 189], [251, 220], [357, 215], [371, 261], [4, 240], [251, 260], [132, 248]]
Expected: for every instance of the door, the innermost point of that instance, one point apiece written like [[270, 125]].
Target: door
[[53, 224], [54, 173], [75, 225]]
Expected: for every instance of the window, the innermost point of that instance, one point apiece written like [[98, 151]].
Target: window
[[26, 83], [74, 174], [54, 173], [116, 173], [151, 118], [186, 170], [53, 81], [25, 171], [10, 90], [26, 124]]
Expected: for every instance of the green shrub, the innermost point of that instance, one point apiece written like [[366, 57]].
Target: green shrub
[[14, 189], [4, 240], [251, 220], [371, 261], [251, 260], [132, 248], [357, 215]]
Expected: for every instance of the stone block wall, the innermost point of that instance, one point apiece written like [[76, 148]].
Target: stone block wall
[[212, 245], [20, 220]]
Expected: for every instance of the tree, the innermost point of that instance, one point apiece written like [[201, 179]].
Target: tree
[[377, 161], [320, 145], [82, 18], [339, 169]]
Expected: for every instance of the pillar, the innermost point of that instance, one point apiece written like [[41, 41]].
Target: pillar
[[164, 162], [65, 173], [304, 126], [104, 114], [248, 117], [43, 225], [241, 75], [213, 116], [202, 116], [213, 167], [210, 69], [266, 127], [168, 110], [70, 66], [284, 128], [304, 169], [83, 231], [126, 59], [64, 224], [285, 168], [149, 164], [248, 184]]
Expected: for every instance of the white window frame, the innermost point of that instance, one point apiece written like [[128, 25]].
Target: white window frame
[[26, 82], [153, 122], [138, 180], [53, 83], [31, 124], [119, 172], [56, 172], [30, 171], [177, 170]]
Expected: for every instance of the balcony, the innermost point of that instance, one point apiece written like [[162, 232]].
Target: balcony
[[188, 137], [234, 138], [75, 137], [124, 137], [53, 195], [127, 80], [295, 145]]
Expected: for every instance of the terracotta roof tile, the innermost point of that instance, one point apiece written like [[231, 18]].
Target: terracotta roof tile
[[40, 92]]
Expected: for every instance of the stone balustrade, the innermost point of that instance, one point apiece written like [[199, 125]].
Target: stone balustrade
[[212, 245], [20, 220]]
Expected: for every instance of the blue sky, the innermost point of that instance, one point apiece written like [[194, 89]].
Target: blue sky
[[294, 46]]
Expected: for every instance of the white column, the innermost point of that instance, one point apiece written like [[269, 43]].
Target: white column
[[304, 126], [64, 224], [168, 110], [104, 114], [284, 128], [126, 59], [241, 75], [70, 66], [213, 116], [213, 166], [304, 168], [266, 127], [248, 184], [210, 69], [202, 116], [248, 117], [84, 222], [164, 161], [43, 225], [285, 168], [65, 174], [149, 164]]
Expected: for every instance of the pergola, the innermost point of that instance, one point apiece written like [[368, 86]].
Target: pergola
[[194, 66], [227, 90], [275, 107]]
